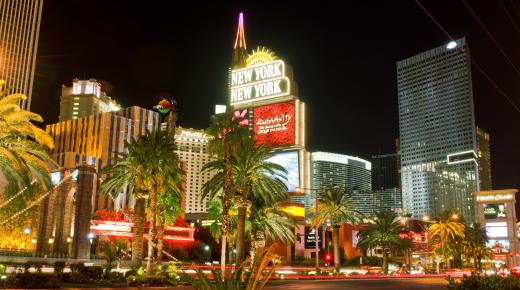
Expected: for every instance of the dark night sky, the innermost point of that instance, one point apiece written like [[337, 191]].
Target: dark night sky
[[343, 60]]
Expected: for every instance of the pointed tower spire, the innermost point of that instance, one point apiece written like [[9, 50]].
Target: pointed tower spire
[[239, 56]]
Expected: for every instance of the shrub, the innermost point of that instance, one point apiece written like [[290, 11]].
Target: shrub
[[93, 272], [59, 266], [77, 267], [36, 280], [477, 282], [74, 277]]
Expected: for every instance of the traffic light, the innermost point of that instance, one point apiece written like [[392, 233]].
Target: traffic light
[[328, 257]]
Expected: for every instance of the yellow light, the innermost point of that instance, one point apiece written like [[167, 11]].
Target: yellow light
[[426, 218], [262, 55], [294, 210], [455, 216], [51, 240], [69, 239]]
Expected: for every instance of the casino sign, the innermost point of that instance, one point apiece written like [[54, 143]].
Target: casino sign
[[263, 78]]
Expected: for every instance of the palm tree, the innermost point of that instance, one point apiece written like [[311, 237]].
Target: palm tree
[[254, 177], [23, 146], [447, 228], [149, 168], [335, 205], [225, 133], [112, 251], [269, 222], [384, 233], [475, 244], [168, 209]]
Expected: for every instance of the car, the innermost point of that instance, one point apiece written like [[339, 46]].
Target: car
[[515, 271], [458, 273]]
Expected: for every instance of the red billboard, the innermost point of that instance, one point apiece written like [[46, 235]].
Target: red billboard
[[275, 125]]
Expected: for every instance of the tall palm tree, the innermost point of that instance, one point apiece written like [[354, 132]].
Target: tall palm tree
[[149, 168], [225, 133], [254, 177], [168, 209], [448, 227], [384, 233], [335, 205], [24, 147], [269, 222], [475, 244]]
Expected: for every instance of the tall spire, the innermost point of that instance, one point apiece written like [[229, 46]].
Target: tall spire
[[240, 40], [239, 56]]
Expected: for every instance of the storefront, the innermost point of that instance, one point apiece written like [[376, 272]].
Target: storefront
[[496, 212]]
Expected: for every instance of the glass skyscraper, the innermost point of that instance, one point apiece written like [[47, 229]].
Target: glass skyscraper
[[351, 173], [19, 30], [437, 132]]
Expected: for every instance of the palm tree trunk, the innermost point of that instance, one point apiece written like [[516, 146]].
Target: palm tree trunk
[[385, 261], [241, 227], [138, 231], [160, 242], [223, 248], [335, 241], [226, 222], [151, 233]]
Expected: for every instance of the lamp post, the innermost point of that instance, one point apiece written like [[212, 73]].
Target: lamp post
[[316, 226]]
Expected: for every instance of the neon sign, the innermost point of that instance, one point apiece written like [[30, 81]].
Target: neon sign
[[495, 197], [260, 82]]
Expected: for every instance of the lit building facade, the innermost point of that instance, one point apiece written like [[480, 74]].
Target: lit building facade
[[351, 173], [192, 148], [484, 159], [496, 212], [19, 32], [84, 98], [437, 132], [97, 139]]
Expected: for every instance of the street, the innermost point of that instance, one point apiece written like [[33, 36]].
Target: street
[[365, 284]]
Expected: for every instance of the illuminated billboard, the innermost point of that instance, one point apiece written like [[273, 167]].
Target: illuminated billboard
[[498, 246], [275, 125], [260, 82], [496, 230], [289, 161], [494, 210]]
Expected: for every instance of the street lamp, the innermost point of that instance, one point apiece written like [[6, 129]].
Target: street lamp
[[316, 226]]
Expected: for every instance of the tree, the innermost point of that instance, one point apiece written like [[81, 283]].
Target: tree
[[383, 232], [448, 227], [168, 209], [112, 251], [149, 168], [24, 147], [225, 133], [269, 222], [475, 244], [335, 205], [254, 177]]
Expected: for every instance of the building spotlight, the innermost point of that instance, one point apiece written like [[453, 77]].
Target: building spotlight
[[451, 45]]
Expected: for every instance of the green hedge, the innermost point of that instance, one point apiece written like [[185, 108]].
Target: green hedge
[[477, 282]]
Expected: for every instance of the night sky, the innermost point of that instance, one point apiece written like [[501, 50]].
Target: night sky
[[343, 61]]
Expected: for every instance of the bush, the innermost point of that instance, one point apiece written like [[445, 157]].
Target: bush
[[477, 282], [74, 277], [117, 277], [77, 267], [59, 266], [36, 280], [93, 272]]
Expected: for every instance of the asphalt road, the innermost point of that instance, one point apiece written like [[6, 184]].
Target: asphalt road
[[365, 284]]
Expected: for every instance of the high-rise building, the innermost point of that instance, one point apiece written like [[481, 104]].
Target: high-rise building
[[95, 140], [84, 98], [192, 146], [484, 160], [19, 31], [437, 132], [384, 171], [351, 173]]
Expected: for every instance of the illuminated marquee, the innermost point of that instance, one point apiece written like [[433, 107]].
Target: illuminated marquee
[[260, 82], [275, 125], [495, 197]]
